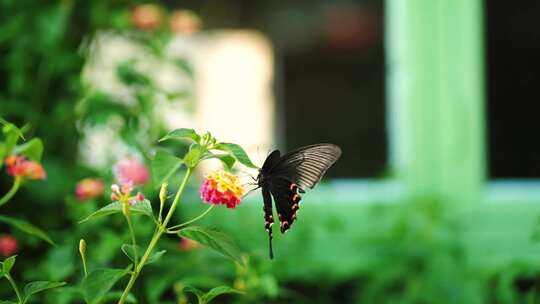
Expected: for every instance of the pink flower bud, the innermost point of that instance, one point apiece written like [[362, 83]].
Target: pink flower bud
[[146, 17], [187, 244], [115, 188], [89, 188], [184, 22], [8, 245]]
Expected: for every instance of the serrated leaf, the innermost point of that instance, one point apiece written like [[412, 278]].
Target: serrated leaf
[[164, 165], [7, 264], [144, 208], [26, 227], [227, 160], [32, 149], [98, 283], [39, 286], [214, 239], [217, 291], [238, 153], [182, 133], [129, 251]]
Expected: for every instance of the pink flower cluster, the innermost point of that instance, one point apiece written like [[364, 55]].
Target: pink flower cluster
[[131, 170], [222, 188], [123, 194], [19, 166]]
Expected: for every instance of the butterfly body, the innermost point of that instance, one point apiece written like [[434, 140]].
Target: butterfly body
[[285, 177]]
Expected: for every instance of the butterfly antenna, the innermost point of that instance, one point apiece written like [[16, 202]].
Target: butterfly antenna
[[250, 191]]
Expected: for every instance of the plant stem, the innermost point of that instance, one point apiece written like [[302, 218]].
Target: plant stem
[[14, 285], [85, 268], [133, 239], [157, 234], [11, 192], [192, 220]]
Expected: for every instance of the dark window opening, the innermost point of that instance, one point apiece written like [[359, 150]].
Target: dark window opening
[[513, 78]]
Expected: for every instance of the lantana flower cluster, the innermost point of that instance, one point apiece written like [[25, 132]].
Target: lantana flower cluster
[[131, 170], [19, 166], [222, 188], [122, 193]]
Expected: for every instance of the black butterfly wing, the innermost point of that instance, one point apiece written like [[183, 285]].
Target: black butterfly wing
[[268, 217], [286, 198], [271, 161], [285, 176], [305, 166]]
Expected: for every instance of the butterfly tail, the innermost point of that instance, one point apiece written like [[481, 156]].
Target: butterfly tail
[[268, 218], [271, 251]]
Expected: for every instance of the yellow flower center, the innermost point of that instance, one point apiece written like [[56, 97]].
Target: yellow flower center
[[226, 181]]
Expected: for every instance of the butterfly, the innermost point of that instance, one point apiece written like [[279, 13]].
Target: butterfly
[[284, 177]]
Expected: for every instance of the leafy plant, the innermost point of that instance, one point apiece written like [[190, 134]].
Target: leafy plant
[[23, 164], [98, 283], [30, 289]]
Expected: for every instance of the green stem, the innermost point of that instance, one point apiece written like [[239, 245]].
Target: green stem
[[192, 220], [85, 267], [14, 285], [157, 234], [133, 239], [11, 192]]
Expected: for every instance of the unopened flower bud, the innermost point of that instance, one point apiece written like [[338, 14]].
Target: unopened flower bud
[[82, 247], [163, 193], [115, 188]]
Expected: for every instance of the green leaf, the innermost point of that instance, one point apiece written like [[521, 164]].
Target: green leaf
[[10, 140], [164, 165], [129, 251], [32, 149], [217, 291], [9, 127], [199, 293], [227, 160], [144, 208], [39, 286], [182, 133], [98, 283], [214, 239], [236, 151], [7, 302], [26, 227], [193, 156], [7, 265]]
